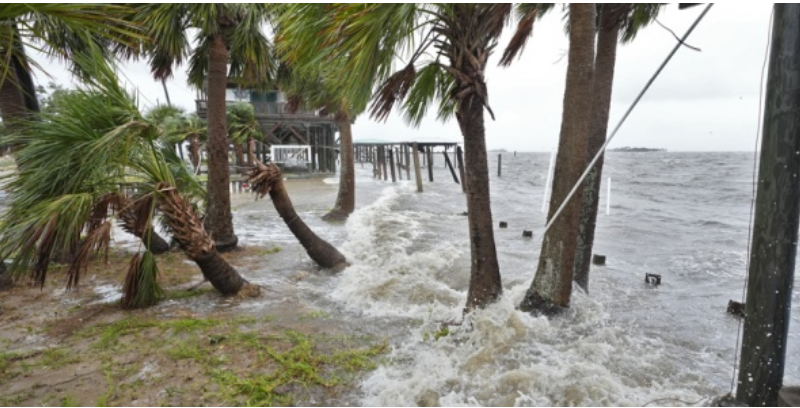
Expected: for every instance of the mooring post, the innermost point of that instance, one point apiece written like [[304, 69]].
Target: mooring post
[[450, 166], [408, 162], [417, 172], [460, 158], [399, 156], [499, 165], [391, 164], [777, 210]]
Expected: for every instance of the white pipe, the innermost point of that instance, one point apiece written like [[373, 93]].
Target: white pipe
[[608, 198]]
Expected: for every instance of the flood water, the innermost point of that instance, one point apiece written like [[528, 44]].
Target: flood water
[[684, 216]]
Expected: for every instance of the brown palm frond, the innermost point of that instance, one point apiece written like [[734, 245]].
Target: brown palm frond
[[262, 176], [293, 103], [135, 216], [141, 288], [97, 240], [393, 89], [182, 221], [520, 38], [99, 212], [498, 15], [45, 236]]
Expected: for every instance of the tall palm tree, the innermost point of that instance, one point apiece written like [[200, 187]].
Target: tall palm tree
[[72, 164], [448, 46], [552, 286], [228, 33], [309, 87], [616, 22]]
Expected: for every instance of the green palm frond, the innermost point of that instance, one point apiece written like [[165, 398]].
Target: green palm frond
[[242, 122]]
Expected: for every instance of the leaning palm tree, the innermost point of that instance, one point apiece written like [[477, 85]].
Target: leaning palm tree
[[72, 164], [446, 48], [229, 33], [268, 179]]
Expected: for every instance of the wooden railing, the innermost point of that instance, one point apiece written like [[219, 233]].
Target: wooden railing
[[263, 109]]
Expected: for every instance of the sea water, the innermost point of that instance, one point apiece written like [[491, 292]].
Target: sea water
[[684, 216]]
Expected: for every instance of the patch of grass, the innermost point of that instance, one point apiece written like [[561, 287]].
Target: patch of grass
[[316, 314], [69, 401], [58, 357], [269, 251], [186, 349]]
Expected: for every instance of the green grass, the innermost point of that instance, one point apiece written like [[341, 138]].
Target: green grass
[[178, 294], [269, 251]]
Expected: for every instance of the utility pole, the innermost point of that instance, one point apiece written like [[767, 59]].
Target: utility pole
[[774, 241]]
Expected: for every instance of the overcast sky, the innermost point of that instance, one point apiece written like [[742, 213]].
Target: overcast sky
[[702, 101]]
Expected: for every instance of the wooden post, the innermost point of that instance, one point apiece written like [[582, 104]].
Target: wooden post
[[460, 158], [408, 162], [383, 163], [379, 161], [374, 160], [430, 163], [450, 165], [399, 163], [499, 165], [777, 211], [417, 172], [391, 164]]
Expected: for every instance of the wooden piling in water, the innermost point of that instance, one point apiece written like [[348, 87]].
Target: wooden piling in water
[[391, 164], [499, 165], [417, 172], [430, 163], [383, 163], [450, 166], [408, 162], [399, 163]]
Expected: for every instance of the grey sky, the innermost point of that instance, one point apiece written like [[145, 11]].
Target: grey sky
[[703, 101]]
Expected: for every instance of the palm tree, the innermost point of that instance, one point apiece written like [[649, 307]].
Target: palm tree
[[243, 127], [448, 47], [616, 21], [552, 286], [61, 30], [268, 179], [307, 86], [72, 164], [228, 33]]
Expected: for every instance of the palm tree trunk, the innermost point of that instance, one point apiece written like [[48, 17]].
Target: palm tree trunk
[[346, 199], [590, 194], [552, 287], [238, 149], [218, 220], [484, 283], [194, 151], [12, 102], [188, 230], [147, 234], [251, 151], [268, 179]]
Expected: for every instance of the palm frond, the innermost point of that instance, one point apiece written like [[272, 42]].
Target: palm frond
[[141, 288]]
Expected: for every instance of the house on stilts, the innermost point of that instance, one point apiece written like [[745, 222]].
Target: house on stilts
[[305, 140]]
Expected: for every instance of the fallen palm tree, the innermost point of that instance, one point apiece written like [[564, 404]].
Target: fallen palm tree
[[268, 179]]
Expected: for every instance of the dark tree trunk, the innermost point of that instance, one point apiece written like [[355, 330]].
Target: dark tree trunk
[[251, 151], [218, 220], [552, 287], [590, 193], [346, 199], [484, 283], [268, 179], [238, 149], [12, 102], [194, 151]]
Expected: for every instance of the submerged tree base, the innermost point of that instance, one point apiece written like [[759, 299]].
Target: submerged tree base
[[335, 215], [536, 305], [227, 245]]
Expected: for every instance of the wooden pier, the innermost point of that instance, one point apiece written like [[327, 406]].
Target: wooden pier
[[390, 159]]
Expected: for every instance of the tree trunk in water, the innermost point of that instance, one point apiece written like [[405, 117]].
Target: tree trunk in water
[[194, 151], [238, 149], [590, 193], [346, 199], [218, 220], [484, 283], [188, 230], [552, 287], [268, 179]]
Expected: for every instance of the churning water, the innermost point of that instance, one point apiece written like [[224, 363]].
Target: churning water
[[682, 215]]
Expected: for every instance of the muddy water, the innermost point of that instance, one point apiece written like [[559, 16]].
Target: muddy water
[[682, 215]]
